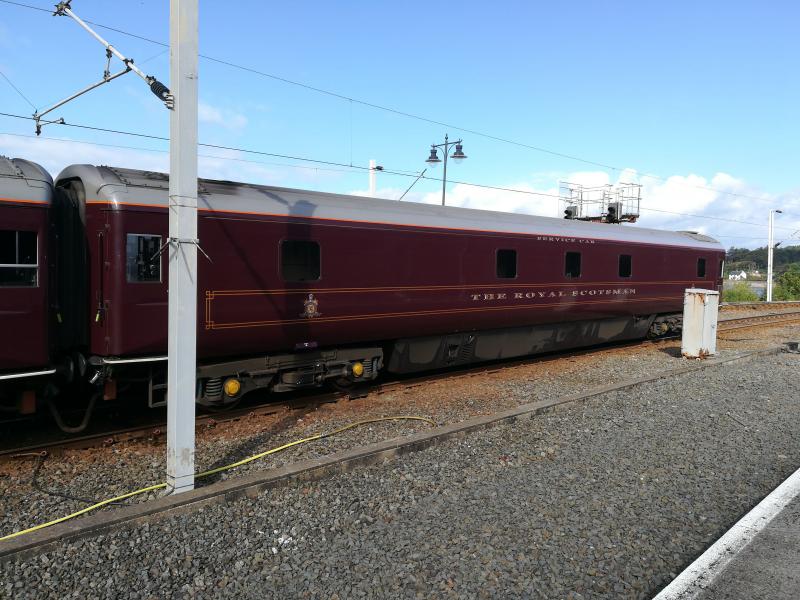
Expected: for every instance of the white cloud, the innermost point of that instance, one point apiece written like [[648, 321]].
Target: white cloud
[[589, 178], [723, 206], [678, 193], [229, 119], [468, 196], [535, 202]]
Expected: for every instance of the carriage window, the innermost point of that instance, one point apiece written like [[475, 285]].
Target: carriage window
[[18, 259], [721, 267], [300, 260], [624, 265], [572, 264], [506, 264], [143, 261], [701, 267]]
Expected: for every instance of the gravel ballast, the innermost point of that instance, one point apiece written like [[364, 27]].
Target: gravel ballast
[[605, 498], [103, 472]]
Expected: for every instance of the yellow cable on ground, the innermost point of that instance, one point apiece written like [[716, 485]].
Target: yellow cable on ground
[[239, 463]]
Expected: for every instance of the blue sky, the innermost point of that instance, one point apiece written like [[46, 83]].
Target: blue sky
[[703, 94]]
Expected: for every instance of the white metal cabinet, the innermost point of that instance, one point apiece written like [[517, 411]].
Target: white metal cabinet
[[700, 309]]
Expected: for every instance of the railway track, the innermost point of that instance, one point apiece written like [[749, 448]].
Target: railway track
[[756, 305], [771, 319], [307, 403], [158, 429]]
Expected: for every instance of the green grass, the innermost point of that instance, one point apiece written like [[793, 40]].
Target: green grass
[[740, 292]]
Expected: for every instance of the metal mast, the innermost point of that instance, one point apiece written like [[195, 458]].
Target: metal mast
[[770, 249], [373, 185], [182, 345]]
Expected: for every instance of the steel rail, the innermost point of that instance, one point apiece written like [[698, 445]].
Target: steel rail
[[771, 319], [759, 304], [158, 429]]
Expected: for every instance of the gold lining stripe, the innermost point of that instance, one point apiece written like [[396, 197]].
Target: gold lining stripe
[[216, 293], [213, 325]]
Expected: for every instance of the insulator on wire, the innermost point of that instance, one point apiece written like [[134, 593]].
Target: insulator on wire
[[159, 89]]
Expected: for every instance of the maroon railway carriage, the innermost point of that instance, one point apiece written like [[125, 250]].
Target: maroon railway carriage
[[26, 196], [301, 287]]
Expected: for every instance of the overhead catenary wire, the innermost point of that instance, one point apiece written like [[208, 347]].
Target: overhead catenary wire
[[202, 474], [16, 89], [398, 112], [160, 151], [750, 237], [354, 168], [336, 94], [166, 139], [367, 168], [724, 219], [286, 156], [359, 167]]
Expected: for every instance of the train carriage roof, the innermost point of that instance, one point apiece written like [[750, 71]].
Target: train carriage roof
[[120, 187], [24, 181]]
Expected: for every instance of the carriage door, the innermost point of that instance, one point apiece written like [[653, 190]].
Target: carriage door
[[100, 266]]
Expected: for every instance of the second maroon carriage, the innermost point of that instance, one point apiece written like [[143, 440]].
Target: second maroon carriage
[[297, 286]]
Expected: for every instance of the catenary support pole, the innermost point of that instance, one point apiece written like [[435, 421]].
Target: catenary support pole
[[182, 345], [770, 250], [769, 256], [373, 184]]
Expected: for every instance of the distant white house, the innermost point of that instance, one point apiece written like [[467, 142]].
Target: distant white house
[[741, 276]]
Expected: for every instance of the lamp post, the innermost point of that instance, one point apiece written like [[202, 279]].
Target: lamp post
[[770, 248], [458, 155]]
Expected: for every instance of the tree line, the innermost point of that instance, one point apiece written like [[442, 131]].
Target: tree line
[[783, 257]]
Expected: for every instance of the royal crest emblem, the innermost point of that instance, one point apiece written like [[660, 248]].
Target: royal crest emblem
[[310, 307]]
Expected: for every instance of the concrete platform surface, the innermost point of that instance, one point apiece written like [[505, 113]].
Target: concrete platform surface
[[768, 567]]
